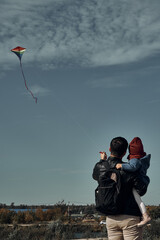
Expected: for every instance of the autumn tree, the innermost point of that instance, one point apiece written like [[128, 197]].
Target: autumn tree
[[19, 217], [53, 214], [6, 215], [29, 217], [154, 211], [39, 214]]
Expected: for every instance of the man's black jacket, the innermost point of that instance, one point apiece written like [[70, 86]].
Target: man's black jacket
[[128, 182]]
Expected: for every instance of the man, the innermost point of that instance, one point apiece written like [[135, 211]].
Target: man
[[122, 226]]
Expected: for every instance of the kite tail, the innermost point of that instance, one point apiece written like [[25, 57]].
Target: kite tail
[[35, 98]]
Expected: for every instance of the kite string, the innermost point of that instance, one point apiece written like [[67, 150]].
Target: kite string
[[26, 83]]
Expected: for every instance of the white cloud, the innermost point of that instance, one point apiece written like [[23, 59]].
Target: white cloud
[[40, 91], [72, 32], [37, 91], [2, 74], [154, 101], [109, 83]]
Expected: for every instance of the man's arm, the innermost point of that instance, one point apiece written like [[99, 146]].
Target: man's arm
[[95, 173], [99, 168]]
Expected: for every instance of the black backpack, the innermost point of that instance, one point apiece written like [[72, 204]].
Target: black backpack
[[108, 193]]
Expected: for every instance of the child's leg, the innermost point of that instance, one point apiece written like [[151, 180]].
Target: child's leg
[[138, 199], [142, 208]]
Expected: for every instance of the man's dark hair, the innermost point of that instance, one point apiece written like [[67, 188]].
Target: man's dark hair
[[118, 146]]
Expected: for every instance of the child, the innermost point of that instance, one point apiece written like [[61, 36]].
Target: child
[[138, 161]]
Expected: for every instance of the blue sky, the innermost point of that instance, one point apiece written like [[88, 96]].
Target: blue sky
[[94, 66]]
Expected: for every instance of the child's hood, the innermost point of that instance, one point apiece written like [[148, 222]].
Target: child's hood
[[146, 160]]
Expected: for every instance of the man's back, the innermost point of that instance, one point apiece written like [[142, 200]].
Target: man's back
[[128, 182]]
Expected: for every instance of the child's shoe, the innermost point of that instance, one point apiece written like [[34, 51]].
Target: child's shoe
[[145, 220]]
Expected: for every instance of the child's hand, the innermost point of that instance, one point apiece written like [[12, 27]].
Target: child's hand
[[103, 155], [118, 165]]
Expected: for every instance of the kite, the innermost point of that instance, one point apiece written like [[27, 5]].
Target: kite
[[19, 52]]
